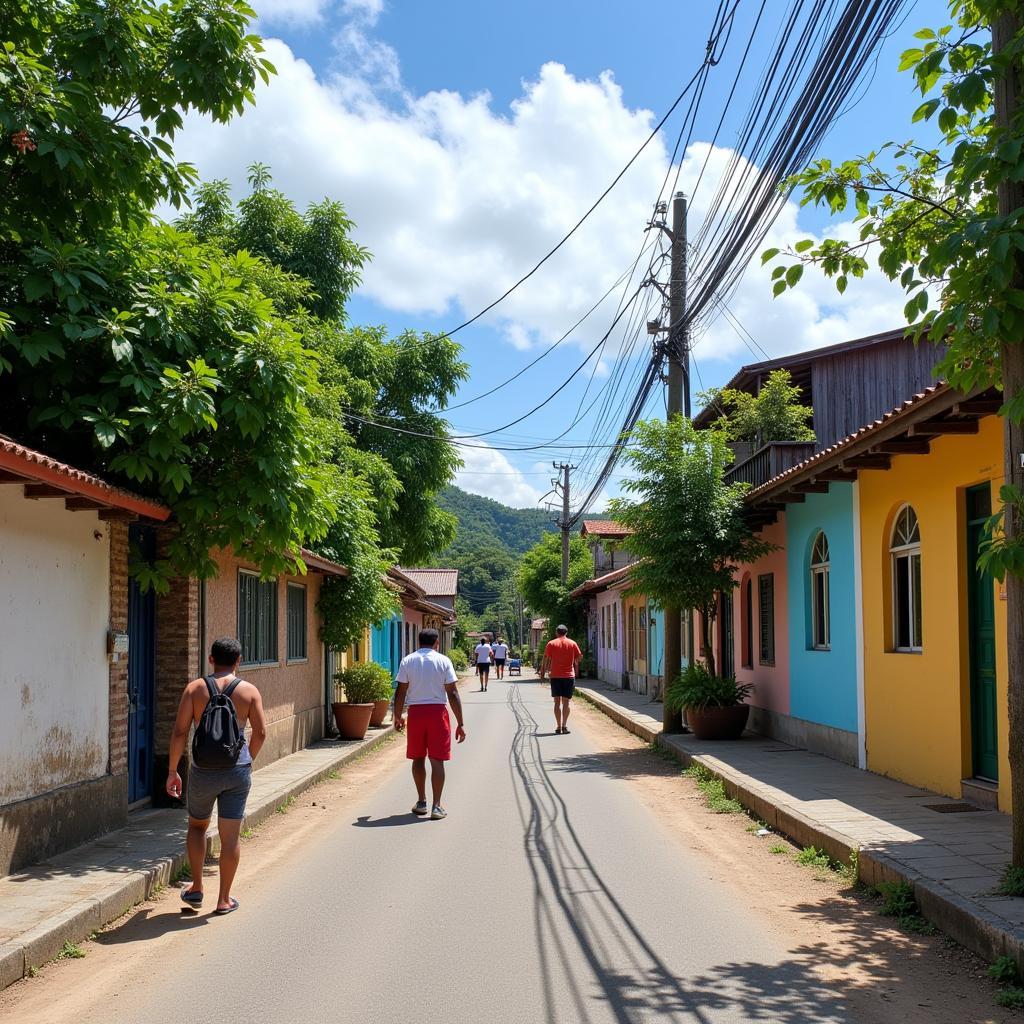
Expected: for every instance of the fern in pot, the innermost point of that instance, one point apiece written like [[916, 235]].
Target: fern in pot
[[715, 707], [364, 692]]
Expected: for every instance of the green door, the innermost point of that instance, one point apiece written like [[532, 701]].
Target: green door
[[982, 628]]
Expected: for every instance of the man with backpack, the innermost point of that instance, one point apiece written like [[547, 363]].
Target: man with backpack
[[219, 705]]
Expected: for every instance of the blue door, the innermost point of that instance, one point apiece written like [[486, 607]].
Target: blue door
[[141, 672]]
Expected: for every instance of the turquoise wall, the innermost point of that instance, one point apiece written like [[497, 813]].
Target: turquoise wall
[[655, 639], [385, 643], [823, 684]]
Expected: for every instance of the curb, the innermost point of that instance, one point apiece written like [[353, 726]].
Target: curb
[[79, 920], [953, 914]]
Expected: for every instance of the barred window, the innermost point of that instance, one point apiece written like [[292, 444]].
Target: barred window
[[257, 618], [766, 617], [296, 622]]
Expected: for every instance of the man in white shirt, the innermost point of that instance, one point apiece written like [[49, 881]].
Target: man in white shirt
[[427, 682], [484, 653], [500, 650]]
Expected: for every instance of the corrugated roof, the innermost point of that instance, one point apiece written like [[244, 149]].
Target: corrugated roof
[[604, 528], [435, 582], [19, 463], [405, 583]]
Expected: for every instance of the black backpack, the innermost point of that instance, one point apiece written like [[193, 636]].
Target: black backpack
[[218, 739]]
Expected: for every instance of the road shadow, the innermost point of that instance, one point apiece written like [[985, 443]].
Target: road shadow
[[147, 925], [391, 821]]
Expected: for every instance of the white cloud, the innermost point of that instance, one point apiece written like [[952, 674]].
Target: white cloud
[[291, 12], [457, 199], [488, 472]]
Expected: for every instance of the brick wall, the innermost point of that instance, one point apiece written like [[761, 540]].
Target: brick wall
[[118, 669], [177, 662]]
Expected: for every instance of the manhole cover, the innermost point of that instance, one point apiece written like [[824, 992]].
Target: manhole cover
[[951, 808]]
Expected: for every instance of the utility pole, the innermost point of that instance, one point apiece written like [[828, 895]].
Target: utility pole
[[563, 522], [678, 403], [1006, 100]]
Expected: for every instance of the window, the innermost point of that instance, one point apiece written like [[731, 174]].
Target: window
[[905, 547], [820, 567], [766, 620], [257, 618], [296, 622], [748, 623]]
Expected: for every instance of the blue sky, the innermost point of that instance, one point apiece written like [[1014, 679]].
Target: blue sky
[[466, 137]]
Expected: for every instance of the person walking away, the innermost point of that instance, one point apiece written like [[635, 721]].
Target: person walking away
[[427, 681], [219, 705], [562, 658], [500, 650], [484, 652]]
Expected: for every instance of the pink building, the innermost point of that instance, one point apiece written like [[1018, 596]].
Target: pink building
[[605, 623]]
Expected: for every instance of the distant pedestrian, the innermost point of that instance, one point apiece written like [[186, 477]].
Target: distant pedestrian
[[562, 658], [427, 681], [500, 650], [483, 653], [219, 706]]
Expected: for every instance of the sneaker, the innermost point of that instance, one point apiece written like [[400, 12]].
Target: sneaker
[[420, 808], [438, 813]]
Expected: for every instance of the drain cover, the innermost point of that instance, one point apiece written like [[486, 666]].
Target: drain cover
[[951, 808]]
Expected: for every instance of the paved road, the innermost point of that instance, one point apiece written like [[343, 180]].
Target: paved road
[[550, 894]]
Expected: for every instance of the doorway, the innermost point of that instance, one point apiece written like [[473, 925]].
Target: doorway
[[141, 671], [726, 654], [982, 641]]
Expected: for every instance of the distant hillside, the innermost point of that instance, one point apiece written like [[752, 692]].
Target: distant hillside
[[484, 522]]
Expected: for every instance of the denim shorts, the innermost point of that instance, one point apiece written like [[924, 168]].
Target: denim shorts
[[228, 787]]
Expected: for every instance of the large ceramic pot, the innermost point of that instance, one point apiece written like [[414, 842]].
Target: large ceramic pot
[[352, 720], [718, 723], [380, 712]]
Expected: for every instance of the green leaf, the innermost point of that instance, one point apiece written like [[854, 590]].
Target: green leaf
[[804, 244], [793, 274], [769, 254], [780, 287]]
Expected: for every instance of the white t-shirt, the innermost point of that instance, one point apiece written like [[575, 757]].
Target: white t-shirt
[[426, 671], [501, 651], [483, 654]]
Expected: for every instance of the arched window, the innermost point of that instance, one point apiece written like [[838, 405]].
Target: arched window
[[820, 567], [905, 548]]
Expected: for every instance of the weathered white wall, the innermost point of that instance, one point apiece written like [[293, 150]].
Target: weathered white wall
[[54, 613]]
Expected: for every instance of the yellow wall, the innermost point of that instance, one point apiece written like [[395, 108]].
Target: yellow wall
[[917, 706]]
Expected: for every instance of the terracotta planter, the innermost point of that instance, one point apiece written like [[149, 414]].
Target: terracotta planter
[[380, 712], [352, 720], [718, 723]]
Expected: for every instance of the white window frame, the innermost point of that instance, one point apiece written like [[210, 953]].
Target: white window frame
[[908, 546], [821, 566]]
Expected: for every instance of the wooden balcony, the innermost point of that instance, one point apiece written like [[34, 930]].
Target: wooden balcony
[[768, 462]]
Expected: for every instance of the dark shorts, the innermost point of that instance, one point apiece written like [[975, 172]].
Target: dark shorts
[[483, 668], [563, 687], [499, 662], [227, 787]]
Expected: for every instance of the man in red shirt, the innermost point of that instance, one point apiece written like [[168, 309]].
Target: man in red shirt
[[562, 658]]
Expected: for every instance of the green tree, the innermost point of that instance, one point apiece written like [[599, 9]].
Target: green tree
[[944, 215], [689, 534], [775, 413], [539, 580]]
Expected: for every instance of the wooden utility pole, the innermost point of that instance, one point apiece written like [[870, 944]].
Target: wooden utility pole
[[678, 403], [1006, 97], [563, 522]]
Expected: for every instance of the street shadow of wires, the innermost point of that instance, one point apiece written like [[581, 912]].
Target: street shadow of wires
[[620, 763]]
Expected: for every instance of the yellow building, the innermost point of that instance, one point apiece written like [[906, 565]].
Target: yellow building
[[934, 628]]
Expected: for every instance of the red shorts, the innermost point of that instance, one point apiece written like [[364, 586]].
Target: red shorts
[[428, 732]]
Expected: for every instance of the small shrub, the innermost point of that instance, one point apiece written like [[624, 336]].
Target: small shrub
[[695, 687], [1011, 998], [812, 857], [898, 899], [1004, 970], [715, 798], [778, 848], [183, 874], [286, 806], [851, 870], [363, 683], [756, 826], [1012, 882], [33, 971], [70, 951], [459, 659]]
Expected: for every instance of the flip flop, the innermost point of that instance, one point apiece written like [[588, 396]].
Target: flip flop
[[229, 909], [192, 899]]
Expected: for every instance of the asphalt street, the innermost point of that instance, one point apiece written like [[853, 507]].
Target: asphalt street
[[550, 894]]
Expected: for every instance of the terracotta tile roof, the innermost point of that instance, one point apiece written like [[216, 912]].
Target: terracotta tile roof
[[838, 450], [20, 463], [435, 582], [604, 528], [601, 582]]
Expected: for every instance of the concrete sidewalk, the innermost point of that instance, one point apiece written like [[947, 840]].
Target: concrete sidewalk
[[67, 898], [953, 859]]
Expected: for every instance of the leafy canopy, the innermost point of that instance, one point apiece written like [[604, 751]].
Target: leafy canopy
[[775, 413], [689, 534], [540, 580]]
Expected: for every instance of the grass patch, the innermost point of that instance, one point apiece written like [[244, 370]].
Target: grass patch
[[777, 848], [183, 874], [1011, 998], [70, 951], [32, 972], [812, 857], [715, 798], [1004, 970], [248, 833], [898, 901], [286, 806], [659, 751], [1012, 882], [334, 774], [756, 826]]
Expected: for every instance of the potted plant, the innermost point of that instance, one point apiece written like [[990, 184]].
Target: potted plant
[[715, 708], [366, 688]]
